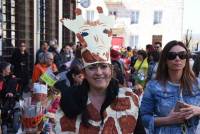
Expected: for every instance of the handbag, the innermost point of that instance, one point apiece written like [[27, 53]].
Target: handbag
[[137, 76]]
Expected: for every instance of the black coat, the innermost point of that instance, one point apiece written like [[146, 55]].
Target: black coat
[[9, 85], [21, 68], [74, 99], [196, 65], [20, 63]]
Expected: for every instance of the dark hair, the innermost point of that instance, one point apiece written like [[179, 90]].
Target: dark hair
[[188, 77], [129, 48], [3, 65], [74, 100], [155, 55], [148, 46], [143, 53], [43, 42], [158, 43], [22, 42], [78, 53], [196, 65], [117, 69], [67, 44], [74, 69], [70, 44]]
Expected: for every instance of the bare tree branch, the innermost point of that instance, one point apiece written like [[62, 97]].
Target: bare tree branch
[[188, 38]]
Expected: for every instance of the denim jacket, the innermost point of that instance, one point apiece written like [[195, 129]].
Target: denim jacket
[[159, 100]]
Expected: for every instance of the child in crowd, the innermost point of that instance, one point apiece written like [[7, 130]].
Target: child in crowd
[[39, 110]]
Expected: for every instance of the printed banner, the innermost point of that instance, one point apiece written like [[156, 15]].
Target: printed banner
[[49, 78]]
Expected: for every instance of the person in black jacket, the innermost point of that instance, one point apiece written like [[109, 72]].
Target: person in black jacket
[[73, 77], [196, 65], [9, 81], [20, 63], [8, 89]]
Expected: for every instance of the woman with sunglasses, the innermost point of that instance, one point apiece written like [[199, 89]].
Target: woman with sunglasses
[[171, 102]]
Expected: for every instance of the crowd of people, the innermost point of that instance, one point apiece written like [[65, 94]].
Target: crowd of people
[[90, 88], [155, 81]]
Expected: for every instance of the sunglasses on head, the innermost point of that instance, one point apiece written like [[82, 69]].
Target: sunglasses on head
[[172, 55]]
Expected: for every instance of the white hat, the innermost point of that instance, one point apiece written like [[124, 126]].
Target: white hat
[[94, 36], [39, 88]]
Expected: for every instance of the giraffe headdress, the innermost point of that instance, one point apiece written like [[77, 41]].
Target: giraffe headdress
[[95, 36]]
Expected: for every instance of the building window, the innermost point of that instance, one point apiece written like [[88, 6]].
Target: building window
[[134, 40], [90, 15], [135, 17], [113, 13], [15, 28], [156, 38], [42, 18], [113, 1], [157, 17]]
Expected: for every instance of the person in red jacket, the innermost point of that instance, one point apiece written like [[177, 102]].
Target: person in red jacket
[[8, 96], [45, 62], [8, 86]]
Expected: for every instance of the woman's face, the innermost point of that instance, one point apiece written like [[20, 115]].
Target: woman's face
[[50, 60], [39, 97], [140, 57], [176, 58], [22, 47], [67, 49], [45, 47], [78, 78], [98, 75], [7, 71]]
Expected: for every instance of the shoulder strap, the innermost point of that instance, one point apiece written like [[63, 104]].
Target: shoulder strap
[[1, 85], [140, 65]]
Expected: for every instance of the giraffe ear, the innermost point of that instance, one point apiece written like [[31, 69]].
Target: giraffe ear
[[73, 24], [81, 40]]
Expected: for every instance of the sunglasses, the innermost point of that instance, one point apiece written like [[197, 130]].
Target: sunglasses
[[94, 67], [172, 55], [157, 46]]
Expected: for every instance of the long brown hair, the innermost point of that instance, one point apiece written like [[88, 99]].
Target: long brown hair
[[188, 78]]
